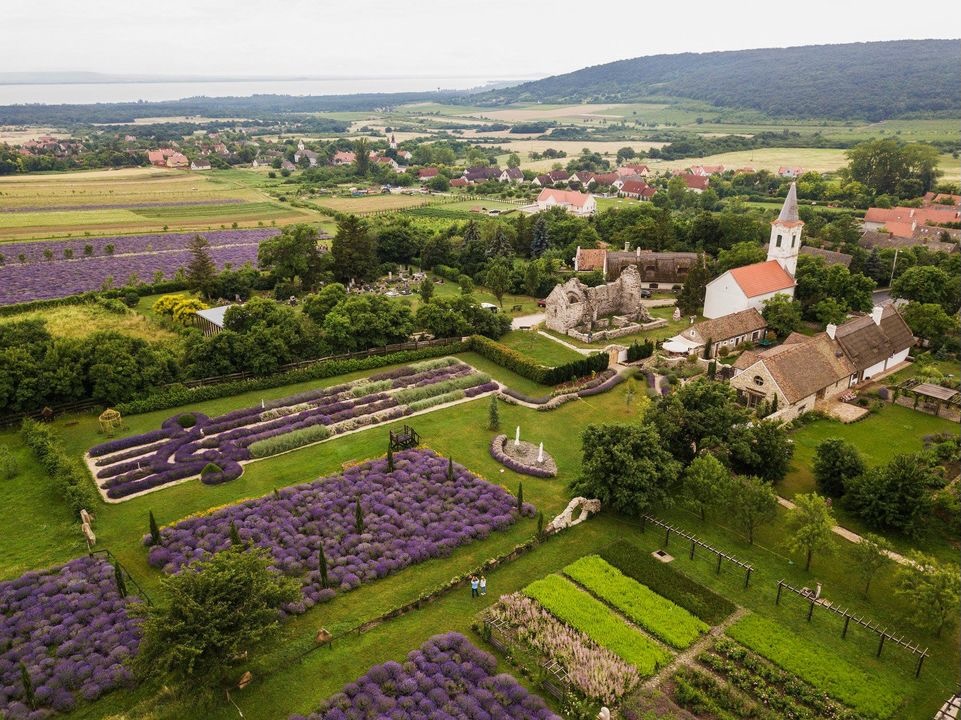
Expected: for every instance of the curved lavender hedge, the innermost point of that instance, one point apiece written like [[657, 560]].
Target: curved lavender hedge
[[134, 464], [70, 628], [446, 678], [497, 452], [36, 278], [410, 515]]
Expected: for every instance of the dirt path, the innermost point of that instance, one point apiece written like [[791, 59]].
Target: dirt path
[[687, 657], [847, 534]]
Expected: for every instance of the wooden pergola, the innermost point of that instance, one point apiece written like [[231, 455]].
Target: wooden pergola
[[935, 396]]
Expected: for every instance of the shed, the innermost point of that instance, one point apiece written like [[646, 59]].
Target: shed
[[211, 320]]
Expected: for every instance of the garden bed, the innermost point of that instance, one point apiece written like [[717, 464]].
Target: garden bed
[[192, 444], [423, 508], [522, 457], [68, 627]]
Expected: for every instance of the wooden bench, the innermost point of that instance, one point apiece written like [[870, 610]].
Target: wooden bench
[[516, 308], [404, 439]]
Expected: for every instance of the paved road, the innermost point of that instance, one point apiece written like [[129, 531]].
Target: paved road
[[526, 321]]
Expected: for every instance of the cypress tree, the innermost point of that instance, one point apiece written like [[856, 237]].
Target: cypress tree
[[235, 536], [450, 469], [118, 576], [390, 459], [154, 530], [712, 370], [323, 568], [358, 517], [276, 493], [493, 415], [540, 523], [520, 496], [201, 270], [707, 348], [28, 694]]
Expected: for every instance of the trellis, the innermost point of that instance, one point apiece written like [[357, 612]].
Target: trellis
[[849, 617], [698, 543], [556, 681]]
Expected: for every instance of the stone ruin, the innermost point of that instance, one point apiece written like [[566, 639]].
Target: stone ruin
[[599, 313], [566, 519]]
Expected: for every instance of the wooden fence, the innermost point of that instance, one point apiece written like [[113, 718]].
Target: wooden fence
[[698, 543]]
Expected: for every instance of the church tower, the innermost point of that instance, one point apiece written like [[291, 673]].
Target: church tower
[[786, 234]]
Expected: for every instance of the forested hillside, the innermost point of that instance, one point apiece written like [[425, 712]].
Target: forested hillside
[[871, 81]]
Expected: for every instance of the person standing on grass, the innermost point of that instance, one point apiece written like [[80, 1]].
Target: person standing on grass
[[483, 585], [474, 584]]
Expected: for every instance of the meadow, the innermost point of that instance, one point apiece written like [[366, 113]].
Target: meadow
[[79, 321]]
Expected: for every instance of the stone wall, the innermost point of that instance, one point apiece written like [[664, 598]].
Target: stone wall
[[575, 305]]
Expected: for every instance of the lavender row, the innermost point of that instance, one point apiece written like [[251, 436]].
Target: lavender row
[[69, 627], [123, 206], [447, 678], [423, 508]]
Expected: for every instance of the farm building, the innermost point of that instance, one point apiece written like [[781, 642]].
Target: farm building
[[728, 331], [695, 183], [211, 320]]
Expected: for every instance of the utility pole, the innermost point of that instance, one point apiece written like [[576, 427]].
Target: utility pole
[[893, 266]]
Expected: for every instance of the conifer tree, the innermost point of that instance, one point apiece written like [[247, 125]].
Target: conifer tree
[[322, 559], [154, 530], [118, 576], [201, 270], [520, 497], [358, 517], [493, 415]]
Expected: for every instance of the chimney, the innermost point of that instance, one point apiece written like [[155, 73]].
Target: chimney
[[876, 314], [831, 330]]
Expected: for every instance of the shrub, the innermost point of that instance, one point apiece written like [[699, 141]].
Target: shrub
[[131, 299], [289, 441], [589, 615], [210, 468], [71, 479], [659, 616], [186, 421], [665, 581], [525, 367], [724, 351]]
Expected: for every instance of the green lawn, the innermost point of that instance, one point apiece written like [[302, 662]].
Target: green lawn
[[672, 328], [539, 348], [290, 677]]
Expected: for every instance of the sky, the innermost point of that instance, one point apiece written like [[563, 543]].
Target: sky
[[488, 39]]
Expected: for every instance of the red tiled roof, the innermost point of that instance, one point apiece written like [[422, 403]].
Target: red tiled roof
[[458, 182], [762, 278], [564, 197], [590, 259], [634, 187], [695, 182], [427, 173]]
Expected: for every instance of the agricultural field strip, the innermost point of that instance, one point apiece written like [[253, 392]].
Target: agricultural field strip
[[128, 467], [818, 667], [584, 612], [662, 618]]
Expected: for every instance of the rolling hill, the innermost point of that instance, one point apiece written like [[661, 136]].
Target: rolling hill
[[867, 81]]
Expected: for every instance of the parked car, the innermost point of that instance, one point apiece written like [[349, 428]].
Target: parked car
[[542, 303], [646, 293]]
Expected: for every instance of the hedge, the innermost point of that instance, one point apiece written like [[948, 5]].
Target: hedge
[[179, 395], [73, 483], [584, 612], [289, 441], [524, 366], [659, 616], [817, 665], [668, 582]]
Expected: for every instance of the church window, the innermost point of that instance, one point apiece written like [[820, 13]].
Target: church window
[[793, 239], [778, 241], [758, 380]]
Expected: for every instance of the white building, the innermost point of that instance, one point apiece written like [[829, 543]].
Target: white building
[[750, 286], [574, 202]]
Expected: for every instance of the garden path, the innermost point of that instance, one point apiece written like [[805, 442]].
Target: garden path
[[582, 351], [687, 657], [848, 535]]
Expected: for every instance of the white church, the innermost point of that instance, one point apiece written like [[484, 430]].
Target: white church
[[748, 287]]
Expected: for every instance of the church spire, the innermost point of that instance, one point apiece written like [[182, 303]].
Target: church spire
[[789, 209]]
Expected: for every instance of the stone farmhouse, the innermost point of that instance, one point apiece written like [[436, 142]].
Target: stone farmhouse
[[751, 285], [657, 269], [728, 331], [577, 203], [805, 371]]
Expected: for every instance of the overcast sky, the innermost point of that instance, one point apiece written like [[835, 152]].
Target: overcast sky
[[450, 38]]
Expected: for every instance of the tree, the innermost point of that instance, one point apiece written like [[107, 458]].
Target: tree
[[782, 314], [498, 279], [353, 250], [322, 566], [201, 270], [234, 534], [426, 289], [540, 236], [358, 517], [500, 244], [363, 321], [830, 311], [520, 497], [925, 284], [319, 304], [894, 496], [493, 414], [362, 156], [836, 464], [513, 160], [466, 284], [893, 168], [929, 322], [212, 613], [740, 254], [691, 298], [626, 467], [751, 502], [932, 590], [870, 555], [762, 448], [154, 530], [704, 482], [293, 255], [390, 458], [532, 277], [811, 524]]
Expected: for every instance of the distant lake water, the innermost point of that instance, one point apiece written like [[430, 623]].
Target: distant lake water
[[81, 93]]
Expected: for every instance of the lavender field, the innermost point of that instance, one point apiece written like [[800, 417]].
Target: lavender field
[[421, 509], [53, 269], [68, 629], [193, 444], [445, 678]]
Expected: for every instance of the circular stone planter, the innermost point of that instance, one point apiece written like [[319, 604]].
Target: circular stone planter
[[523, 458]]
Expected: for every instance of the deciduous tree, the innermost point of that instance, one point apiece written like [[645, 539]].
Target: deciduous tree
[[810, 523], [870, 556], [752, 503], [836, 463], [932, 591]]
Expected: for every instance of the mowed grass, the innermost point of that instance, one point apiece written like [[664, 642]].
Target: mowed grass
[[539, 348], [79, 321], [369, 203]]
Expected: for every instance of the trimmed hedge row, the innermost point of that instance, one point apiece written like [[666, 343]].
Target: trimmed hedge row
[[524, 366], [665, 581], [178, 395], [72, 482]]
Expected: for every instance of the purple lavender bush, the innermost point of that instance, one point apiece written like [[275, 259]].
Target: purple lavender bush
[[410, 515], [132, 465], [445, 678], [69, 627]]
